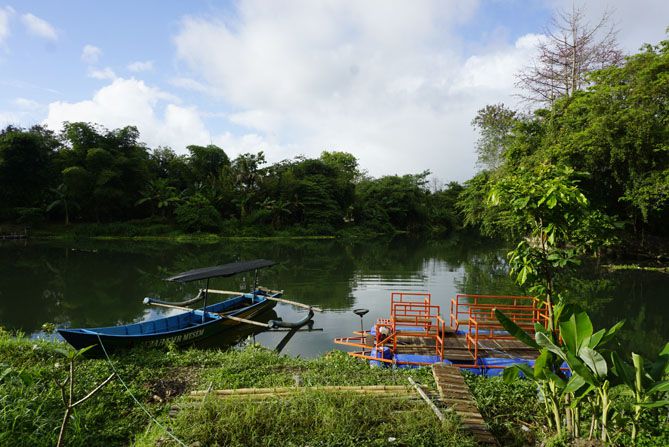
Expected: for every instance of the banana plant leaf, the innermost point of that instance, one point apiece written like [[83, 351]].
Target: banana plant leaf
[[576, 331], [594, 360], [656, 404]]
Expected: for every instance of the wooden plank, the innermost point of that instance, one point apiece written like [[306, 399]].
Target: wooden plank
[[455, 394], [277, 390]]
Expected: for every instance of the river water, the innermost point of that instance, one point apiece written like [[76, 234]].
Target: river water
[[99, 283]]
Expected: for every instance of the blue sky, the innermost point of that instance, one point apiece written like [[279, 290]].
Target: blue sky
[[394, 82]]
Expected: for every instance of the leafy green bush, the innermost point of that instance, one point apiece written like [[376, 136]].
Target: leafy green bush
[[197, 214], [29, 216], [510, 409]]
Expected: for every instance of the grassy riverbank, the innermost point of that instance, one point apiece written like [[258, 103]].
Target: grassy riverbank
[[31, 408], [151, 230]]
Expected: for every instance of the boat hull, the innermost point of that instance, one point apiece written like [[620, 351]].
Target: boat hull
[[183, 329]]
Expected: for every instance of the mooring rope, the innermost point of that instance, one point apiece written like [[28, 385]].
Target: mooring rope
[[127, 389]]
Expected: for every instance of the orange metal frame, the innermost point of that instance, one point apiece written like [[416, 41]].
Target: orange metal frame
[[413, 315], [478, 312]]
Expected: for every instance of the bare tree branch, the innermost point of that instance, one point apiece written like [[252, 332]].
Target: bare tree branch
[[572, 49]]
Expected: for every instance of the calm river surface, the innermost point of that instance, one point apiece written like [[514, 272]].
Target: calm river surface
[[96, 283]]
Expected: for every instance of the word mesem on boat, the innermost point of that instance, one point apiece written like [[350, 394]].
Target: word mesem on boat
[[415, 334], [192, 325]]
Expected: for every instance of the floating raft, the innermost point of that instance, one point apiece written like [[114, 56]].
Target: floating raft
[[417, 335]]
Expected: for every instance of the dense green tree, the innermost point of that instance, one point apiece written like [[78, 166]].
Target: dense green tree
[[197, 214], [104, 170], [442, 205], [318, 190], [166, 164], [62, 200], [26, 167], [160, 195], [206, 162], [344, 163], [616, 132], [393, 202], [248, 175]]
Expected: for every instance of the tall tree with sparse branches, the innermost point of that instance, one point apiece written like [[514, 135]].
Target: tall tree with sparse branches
[[494, 123], [571, 49]]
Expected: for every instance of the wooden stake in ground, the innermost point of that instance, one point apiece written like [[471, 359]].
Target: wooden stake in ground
[[69, 401]]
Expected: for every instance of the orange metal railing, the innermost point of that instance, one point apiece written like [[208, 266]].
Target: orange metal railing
[[478, 313], [459, 312]]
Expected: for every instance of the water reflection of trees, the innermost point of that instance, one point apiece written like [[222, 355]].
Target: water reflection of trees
[[93, 283], [487, 273], [635, 296]]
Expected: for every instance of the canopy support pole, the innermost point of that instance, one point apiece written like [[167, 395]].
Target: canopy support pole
[[255, 283], [204, 309]]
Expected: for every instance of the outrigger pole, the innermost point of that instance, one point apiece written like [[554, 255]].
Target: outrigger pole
[[229, 270], [271, 298], [149, 301]]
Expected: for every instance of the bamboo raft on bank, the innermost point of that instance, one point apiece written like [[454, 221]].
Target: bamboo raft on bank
[[398, 391]]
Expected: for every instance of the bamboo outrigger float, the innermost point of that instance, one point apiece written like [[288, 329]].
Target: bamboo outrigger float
[[194, 325], [415, 334]]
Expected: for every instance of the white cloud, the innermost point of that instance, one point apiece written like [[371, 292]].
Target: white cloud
[[9, 118], [101, 73], [90, 54], [496, 70], [6, 14], [193, 85], [39, 27], [141, 66], [395, 83], [391, 84], [160, 120], [26, 104]]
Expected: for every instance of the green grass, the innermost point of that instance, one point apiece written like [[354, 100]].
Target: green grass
[[31, 409], [617, 267], [311, 418], [507, 407]]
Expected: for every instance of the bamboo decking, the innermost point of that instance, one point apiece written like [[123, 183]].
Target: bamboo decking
[[456, 396]]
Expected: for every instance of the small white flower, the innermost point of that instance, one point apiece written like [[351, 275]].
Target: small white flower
[[391, 439]]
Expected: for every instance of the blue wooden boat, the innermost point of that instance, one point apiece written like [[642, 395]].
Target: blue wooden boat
[[193, 325]]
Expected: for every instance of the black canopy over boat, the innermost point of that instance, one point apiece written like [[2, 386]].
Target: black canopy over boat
[[192, 325]]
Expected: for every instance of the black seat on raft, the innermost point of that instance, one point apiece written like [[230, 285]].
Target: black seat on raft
[[360, 312]]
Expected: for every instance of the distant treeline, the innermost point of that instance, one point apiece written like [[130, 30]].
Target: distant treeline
[[90, 174], [610, 137]]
